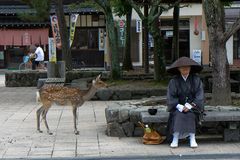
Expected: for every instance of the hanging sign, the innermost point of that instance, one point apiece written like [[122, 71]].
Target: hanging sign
[[121, 25], [55, 30], [73, 21], [197, 56], [101, 39], [138, 26], [52, 50]]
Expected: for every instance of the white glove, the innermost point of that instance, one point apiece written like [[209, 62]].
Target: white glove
[[180, 107], [189, 106]]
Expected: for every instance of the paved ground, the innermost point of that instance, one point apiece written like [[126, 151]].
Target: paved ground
[[19, 139]]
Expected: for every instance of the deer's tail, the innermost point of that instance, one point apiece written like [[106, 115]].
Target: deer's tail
[[38, 100]]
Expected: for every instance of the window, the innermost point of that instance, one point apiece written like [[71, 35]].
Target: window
[[91, 20], [86, 38], [83, 20], [236, 45]]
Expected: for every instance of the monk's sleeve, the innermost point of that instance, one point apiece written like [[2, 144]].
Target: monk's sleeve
[[172, 97], [199, 95]]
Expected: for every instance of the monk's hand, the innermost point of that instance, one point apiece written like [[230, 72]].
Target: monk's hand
[[188, 106], [185, 109], [180, 107]]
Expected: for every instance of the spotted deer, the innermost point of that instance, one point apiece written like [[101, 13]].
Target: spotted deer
[[62, 95]]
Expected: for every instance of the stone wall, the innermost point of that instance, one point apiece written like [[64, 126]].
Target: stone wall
[[29, 78], [23, 78]]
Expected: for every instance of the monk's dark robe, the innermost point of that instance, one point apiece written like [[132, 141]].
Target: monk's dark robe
[[181, 92]]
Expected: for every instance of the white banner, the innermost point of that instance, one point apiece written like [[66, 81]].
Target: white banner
[[52, 50], [73, 21]]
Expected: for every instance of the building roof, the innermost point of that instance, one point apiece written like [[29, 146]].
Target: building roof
[[8, 15], [10, 9], [231, 14]]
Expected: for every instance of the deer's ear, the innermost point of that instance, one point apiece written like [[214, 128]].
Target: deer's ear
[[93, 81], [98, 77]]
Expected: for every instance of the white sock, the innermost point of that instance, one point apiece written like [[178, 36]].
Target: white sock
[[193, 142], [175, 140]]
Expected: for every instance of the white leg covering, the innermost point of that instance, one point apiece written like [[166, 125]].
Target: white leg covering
[[174, 143], [193, 143]]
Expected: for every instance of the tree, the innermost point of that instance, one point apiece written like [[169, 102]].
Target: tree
[[218, 36], [145, 41], [121, 8], [42, 8], [112, 34], [175, 41], [66, 50], [156, 9]]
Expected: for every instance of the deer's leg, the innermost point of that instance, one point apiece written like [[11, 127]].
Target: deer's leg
[[75, 120], [45, 120], [39, 111]]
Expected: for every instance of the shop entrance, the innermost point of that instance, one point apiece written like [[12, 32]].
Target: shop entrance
[[14, 57]]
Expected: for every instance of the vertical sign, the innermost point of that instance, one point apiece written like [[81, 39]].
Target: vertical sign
[[122, 33], [73, 21], [52, 50], [138, 26], [196, 56], [55, 30], [101, 39]]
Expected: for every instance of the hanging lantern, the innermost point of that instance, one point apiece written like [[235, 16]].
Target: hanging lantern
[[196, 32]]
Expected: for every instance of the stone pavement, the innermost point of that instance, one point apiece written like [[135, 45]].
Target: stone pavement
[[19, 138]]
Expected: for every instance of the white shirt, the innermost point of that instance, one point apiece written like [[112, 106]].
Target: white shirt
[[40, 54], [185, 78]]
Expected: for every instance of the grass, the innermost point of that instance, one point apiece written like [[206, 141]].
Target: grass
[[137, 84]]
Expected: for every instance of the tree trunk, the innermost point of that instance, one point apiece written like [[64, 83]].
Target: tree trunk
[[221, 89], [127, 61], [66, 52], [175, 41], [112, 34], [145, 41], [159, 58]]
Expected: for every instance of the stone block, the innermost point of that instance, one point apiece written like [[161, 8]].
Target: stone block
[[231, 135], [115, 130], [81, 83], [123, 94], [104, 94], [128, 128], [124, 115], [112, 114], [135, 116]]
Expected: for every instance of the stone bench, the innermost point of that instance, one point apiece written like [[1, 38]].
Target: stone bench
[[231, 118], [235, 85]]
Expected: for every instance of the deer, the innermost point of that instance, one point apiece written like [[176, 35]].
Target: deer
[[63, 95]]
